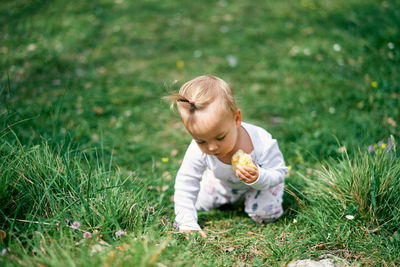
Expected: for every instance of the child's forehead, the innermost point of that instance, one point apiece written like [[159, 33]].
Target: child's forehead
[[213, 111], [207, 122]]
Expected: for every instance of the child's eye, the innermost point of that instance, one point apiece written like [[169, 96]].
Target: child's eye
[[200, 142], [221, 138]]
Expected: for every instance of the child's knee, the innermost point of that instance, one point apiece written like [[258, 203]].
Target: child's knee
[[211, 200], [264, 206], [205, 203], [266, 214]]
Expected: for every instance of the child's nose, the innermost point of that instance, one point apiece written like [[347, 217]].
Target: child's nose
[[212, 147]]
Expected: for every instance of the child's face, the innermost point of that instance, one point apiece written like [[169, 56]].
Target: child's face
[[214, 130]]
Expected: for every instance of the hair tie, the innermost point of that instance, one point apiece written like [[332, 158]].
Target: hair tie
[[190, 102], [192, 106]]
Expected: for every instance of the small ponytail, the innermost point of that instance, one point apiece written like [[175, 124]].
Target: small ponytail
[[190, 102], [196, 94]]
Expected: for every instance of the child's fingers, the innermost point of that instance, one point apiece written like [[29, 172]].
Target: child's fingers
[[250, 170], [189, 232], [242, 175], [246, 174], [247, 171], [186, 232], [202, 233]]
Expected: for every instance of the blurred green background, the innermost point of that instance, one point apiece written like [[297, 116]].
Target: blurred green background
[[313, 73]]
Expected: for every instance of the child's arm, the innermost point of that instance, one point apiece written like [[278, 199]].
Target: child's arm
[[271, 165], [187, 186]]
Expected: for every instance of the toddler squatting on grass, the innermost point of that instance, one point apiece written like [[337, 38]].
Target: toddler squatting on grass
[[206, 179]]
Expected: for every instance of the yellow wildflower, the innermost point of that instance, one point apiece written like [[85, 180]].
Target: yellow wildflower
[[180, 64], [164, 160], [374, 84], [290, 169]]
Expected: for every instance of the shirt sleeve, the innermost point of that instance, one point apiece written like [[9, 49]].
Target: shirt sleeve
[[271, 165], [187, 186]]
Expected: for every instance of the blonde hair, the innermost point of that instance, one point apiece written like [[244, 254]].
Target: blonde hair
[[196, 94]]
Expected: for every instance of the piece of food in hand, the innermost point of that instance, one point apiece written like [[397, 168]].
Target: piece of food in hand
[[243, 159]]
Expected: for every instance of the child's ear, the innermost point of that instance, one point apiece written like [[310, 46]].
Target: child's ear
[[238, 118]]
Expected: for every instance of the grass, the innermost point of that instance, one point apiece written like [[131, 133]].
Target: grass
[[85, 135], [365, 186]]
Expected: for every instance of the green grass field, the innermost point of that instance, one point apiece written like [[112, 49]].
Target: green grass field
[[89, 150]]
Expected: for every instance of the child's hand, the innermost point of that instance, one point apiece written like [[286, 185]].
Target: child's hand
[[246, 174], [187, 232]]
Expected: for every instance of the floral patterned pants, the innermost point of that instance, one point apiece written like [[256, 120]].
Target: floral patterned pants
[[261, 206]]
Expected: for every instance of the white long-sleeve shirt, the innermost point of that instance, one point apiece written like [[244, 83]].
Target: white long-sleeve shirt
[[266, 155]]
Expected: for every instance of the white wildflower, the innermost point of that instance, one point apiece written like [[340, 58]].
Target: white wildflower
[[32, 47], [128, 113], [4, 251], [232, 61], [224, 29], [87, 235], [307, 51], [336, 47], [197, 53], [119, 233], [75, 225], [223, 3]]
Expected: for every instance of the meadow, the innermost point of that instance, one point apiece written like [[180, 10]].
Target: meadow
[[89, 150]]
